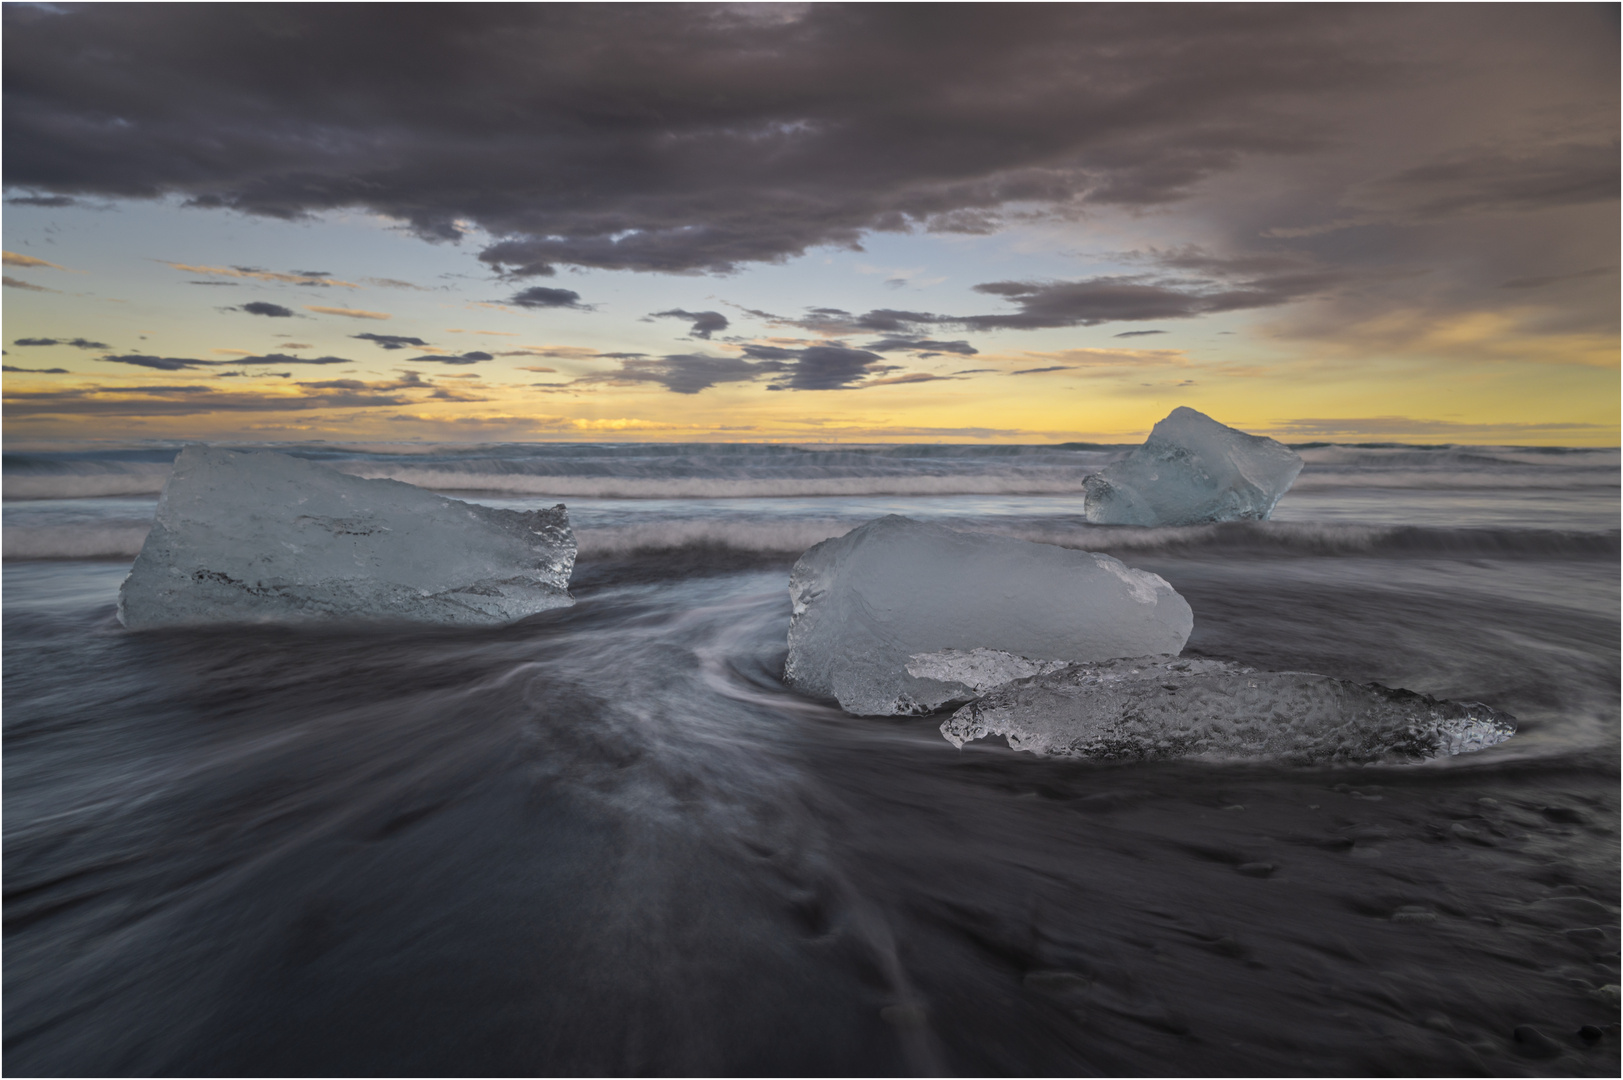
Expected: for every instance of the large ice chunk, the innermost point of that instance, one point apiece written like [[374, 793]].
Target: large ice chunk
[[1164, 706], [267, 537], [1190, 470], [899, 617]]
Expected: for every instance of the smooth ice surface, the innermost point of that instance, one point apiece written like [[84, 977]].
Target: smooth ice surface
[[872, 604], [1191, 470], [266, 537], [1164, 706]]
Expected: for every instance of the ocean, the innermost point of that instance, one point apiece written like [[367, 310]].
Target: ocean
[[609, 840]]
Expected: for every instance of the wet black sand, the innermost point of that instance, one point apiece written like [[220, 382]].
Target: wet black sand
[[610, 842]]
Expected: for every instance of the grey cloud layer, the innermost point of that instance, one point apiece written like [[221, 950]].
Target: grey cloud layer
[[1416, 159], [818, 367], [169, 400], [922, 346], [177, 363], [704, 323], [542, 297], [1197, 283], [671, 138], [390, 341], [274, 311], [461, 359], [77, 343]]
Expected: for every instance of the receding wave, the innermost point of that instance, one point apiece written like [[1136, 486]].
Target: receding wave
[[769, 537], [1234, 538], [85, 485], [1308, 539], [790, 537], [74, 541], [1457, 480]]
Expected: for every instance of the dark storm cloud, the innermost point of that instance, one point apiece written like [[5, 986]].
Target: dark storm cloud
[[176, 363], [274, 311], [36, 370], [390, 341], [1138, 333], [705, 323], [540, 297], [672, 138], [1489, 180], [18, 283], [77, 343]]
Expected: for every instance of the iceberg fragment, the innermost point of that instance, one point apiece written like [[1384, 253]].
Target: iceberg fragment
[[901, 617], [1166, 706], [978, 669], [1190, 470], [254, 537]]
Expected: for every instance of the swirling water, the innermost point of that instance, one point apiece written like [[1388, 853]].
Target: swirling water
[[609, 840]]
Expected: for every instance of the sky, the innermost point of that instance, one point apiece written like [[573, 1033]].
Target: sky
[[810, 222]]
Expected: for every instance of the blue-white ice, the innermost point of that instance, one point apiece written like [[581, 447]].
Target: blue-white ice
[[1166, 706], [264, 537], [1192, 470], [899, 616]]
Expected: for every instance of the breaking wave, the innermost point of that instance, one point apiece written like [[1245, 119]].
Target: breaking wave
[[150, 482], [716, 487], [147, 479], [665, 471]]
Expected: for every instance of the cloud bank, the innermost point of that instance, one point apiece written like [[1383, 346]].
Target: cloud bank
[[687, 138]]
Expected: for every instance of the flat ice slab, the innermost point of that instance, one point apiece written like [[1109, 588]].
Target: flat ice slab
[[1192, 470], [1164, 706], [264, 537], [900, 617]]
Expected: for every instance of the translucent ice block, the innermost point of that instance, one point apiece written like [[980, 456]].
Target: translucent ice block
[[262, 537], [1164, 706], [1191, 470], [881, 613]]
